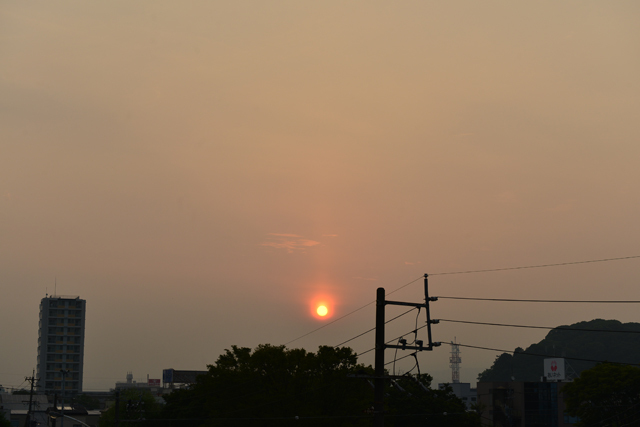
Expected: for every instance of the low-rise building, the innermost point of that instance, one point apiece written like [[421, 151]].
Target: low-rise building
[[523, 404]]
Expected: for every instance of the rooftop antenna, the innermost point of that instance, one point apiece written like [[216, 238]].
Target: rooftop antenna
[[55, 284]]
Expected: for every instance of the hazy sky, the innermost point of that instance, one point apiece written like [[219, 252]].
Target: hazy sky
[[201, 172]]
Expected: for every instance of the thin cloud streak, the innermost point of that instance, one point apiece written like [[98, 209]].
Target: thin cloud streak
[[285, 241]]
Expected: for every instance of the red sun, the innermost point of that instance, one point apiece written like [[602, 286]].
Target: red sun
[[321, 307]]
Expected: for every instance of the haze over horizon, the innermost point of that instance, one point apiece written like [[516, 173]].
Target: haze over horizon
[[203, 173]]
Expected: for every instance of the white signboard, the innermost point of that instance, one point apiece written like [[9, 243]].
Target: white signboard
[[554, 369]]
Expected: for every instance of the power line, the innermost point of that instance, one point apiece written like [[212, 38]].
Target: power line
[[348, 314], [404, 286], [400, 358], [545, 300], [470, 272], [536, 266], [357, 336], [545, 355], [508, 351], [512, 351], [373, 329], [516, 326], [522, 267], [498, 324], [329, 323], [393, 339], [561, 328]]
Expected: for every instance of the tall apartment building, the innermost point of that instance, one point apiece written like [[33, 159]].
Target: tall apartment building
[[61, 344]]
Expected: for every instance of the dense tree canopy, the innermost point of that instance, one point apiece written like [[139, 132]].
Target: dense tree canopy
[[272, 385], [3, 421], [137, 408], [88, 402], [607, 394], [276, 386], [412, 402], [574, 341]]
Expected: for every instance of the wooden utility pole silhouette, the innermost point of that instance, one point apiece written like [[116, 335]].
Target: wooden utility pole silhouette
[[32, 379]]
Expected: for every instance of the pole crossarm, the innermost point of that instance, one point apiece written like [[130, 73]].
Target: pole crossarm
[[413, 347], [407, 304]]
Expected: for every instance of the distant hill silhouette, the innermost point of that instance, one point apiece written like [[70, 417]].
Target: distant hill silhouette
[[602, 346]]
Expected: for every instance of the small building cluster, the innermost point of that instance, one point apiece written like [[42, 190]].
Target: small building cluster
[[515, 403], [56, 390], [520, 403]]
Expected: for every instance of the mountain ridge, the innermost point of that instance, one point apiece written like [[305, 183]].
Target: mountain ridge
[[582, 350]]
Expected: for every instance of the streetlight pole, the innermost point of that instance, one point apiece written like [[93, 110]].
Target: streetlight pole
[[64, 372]]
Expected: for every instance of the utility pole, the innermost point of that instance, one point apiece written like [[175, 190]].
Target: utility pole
[[117, 415], [55, 406], [64, 372], [381, 302], [32, 380], [378, 382]]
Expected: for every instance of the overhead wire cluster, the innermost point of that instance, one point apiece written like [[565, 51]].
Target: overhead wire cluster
[[417, 328], [486, 299]]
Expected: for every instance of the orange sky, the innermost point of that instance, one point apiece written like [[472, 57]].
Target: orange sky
[[200, 173]]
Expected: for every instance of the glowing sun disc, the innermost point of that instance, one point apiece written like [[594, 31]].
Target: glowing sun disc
[[322, 311]]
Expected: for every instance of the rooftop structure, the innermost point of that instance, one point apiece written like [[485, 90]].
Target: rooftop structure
[[150, 384]]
